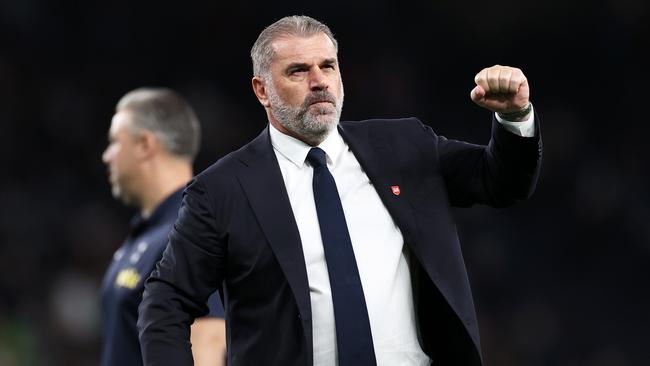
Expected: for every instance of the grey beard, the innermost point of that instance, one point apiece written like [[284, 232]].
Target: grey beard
[[302, 121]]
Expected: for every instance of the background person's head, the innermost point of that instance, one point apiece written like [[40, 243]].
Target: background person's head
[[154, 130], [297, 77]]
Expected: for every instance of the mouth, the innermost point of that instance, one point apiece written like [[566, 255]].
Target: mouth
[[321, 102]]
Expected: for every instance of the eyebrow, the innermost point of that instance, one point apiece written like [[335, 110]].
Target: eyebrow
[[299, 65]]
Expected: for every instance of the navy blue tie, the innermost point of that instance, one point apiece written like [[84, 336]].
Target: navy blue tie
[[353, 335]]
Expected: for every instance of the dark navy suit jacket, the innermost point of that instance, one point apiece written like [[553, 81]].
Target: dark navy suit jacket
[[236, 231]]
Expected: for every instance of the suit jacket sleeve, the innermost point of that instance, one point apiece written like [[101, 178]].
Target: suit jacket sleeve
[[499, 174], [190, 270]]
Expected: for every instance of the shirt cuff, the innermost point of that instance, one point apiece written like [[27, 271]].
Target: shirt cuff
[[524, 128]]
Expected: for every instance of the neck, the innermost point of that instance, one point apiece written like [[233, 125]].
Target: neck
[[163, 177]]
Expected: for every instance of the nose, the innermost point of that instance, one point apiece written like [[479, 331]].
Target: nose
[[106, 155], [317, 80]]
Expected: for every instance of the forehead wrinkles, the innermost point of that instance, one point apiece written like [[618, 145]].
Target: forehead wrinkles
[[303, 49]]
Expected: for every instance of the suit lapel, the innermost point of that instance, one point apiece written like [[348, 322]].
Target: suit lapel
[[379, 162], [264, 186]]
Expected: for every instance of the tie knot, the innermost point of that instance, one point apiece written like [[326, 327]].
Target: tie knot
[[316, 157]]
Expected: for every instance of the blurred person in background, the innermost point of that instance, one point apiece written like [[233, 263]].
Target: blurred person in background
[[335, 241], [153, 139]]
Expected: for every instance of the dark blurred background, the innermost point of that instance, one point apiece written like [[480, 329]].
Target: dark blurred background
[[558, 280]]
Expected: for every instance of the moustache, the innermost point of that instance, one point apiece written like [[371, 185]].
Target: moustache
[[319, 96]]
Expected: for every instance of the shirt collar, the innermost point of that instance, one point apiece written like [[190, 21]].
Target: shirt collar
[[296, 151]]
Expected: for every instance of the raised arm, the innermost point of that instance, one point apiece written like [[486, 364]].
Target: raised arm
[[506, 170]]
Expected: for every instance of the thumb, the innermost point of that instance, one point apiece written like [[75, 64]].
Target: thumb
[[477, 94]]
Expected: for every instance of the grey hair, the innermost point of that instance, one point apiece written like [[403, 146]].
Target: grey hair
[[262, 52], [165, 113]]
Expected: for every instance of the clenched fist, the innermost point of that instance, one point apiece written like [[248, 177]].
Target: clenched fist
[[501, 89]]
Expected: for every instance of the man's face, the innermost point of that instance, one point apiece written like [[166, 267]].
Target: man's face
[[306, 91], [121, 157]]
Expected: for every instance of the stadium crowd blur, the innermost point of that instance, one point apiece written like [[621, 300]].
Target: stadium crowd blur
[[560, 279]]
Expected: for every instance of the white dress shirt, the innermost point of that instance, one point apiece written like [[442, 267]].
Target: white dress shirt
[[377, 243]]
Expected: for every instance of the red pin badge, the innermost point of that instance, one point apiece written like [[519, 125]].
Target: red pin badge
[[395, 190]]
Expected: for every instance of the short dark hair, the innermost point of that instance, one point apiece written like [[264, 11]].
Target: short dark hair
[[296, 25], [165, 113]]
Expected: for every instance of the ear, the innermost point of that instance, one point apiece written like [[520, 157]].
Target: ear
[[259, 88], [148, 144]]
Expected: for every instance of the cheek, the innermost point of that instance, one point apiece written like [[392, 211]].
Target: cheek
[[292, 95], [339, 87], [120, 158]]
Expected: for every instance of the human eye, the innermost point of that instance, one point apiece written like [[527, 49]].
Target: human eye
[[328, 67], [297, 70]]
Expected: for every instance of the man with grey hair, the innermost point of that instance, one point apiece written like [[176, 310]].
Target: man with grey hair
[[153, 140], [334, 241]]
